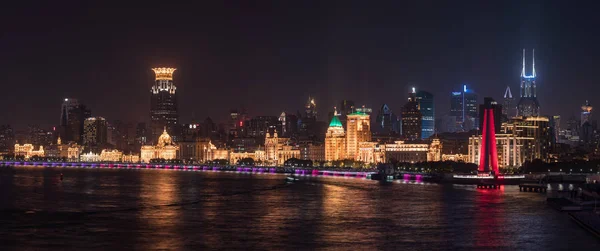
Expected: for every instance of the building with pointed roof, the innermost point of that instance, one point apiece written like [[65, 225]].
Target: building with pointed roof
[[528, 103], [507, 108], [335, 140], [164, 149]]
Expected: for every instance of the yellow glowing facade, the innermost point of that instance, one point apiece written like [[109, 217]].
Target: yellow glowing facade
[[335, 141], [130, 158], [73, 152], [456, 157], [28, 151], [111, 155], [164, 73], [69, 151], [435, 151], [510, 149], [277, 151], [404, 152], [164, 80], [358, 130], [89, 157], [371, 152], [165, 149]]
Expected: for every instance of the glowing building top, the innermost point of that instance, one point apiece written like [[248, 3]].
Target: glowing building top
[[163, 104], [165, 139], [586, 112], [528, 104], [164, 73], [311, 108]]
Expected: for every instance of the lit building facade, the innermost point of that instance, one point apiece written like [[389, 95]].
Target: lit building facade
[[521, 139], [111, 155], [89, 157], [335, 141], [427, 109], [508, 109], [28, 151], [95, 131], [463, 106], [130, 158], [163, 103], [164, 149], [528, 105], [358, 129], [411, 118], [403, 152], [277, 150], [371, 152]]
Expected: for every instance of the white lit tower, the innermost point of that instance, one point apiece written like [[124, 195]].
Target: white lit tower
[[528, 104], [163, 104]]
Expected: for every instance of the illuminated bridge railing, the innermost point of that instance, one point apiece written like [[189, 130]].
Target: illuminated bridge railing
[[237, 169]]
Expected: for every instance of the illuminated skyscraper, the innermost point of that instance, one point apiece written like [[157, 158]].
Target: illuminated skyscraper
[[72, 117], [95, 131], [387, 121], [163, 104], [586, 112], [463, 106], [427, 108], [311, 108], [528, 104], [335, 140], [507, 108], [411, 118], [358, 130]]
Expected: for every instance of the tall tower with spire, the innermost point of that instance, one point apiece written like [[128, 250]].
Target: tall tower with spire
[[528, 104], [507, 108]]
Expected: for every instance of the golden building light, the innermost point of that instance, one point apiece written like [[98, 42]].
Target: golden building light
[[164, 73]]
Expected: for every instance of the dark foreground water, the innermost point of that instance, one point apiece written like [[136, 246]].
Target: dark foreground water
[[152, 209]]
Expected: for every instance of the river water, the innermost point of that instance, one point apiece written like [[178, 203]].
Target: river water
[[158, 209]]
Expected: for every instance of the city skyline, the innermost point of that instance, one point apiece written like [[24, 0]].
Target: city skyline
[[320, 60]]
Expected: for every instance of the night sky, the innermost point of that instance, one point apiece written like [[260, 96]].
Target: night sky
[[269, 57]]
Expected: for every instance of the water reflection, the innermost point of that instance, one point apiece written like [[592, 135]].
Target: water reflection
[[160, 212], [489, 219]]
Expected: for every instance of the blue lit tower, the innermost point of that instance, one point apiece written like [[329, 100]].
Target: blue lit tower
[[426, 106], [528, 104], [463, 106]]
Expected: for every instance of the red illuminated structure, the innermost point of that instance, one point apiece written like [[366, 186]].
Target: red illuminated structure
[[488, 154]]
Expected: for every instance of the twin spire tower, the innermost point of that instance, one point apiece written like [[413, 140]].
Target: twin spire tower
[[528, 104]]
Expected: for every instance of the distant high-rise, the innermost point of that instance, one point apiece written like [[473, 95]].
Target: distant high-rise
[[427, 108], [67, 105], [163, 104], [507, 108], [95, 131], [358, 130], [386, 121], [411, 118], [586, 112], [311, 108], [463, 106], [72, 118], [528, 104], [346, 107]]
